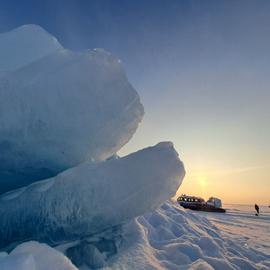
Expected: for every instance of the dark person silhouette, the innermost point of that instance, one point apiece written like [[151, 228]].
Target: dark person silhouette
[[257, 209]]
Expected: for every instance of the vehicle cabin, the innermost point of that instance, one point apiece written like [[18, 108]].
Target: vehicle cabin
[[212, 201], [191, 199]]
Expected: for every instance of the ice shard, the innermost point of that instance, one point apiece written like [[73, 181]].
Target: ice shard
[[91, 197]]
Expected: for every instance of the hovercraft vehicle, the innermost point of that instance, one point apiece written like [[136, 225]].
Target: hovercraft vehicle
[[196, 203]]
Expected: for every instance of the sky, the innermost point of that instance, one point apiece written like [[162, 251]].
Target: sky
[[201, 69]]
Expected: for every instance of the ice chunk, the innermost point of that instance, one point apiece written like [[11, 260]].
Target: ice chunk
[[90, 198], [35, 256], [24, 45], [62, 110]]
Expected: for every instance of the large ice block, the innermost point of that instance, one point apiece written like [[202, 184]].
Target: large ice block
[[91, 197], [61, 110]]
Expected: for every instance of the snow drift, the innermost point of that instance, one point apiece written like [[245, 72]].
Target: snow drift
[[61, 109], [91, 197], [173, 238], [168, 238]]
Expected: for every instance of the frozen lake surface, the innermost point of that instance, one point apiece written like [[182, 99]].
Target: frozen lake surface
[[241, 224]]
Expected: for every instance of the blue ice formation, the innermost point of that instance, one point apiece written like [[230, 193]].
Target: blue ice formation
[[61, 109], [63, 114], [90, 198]]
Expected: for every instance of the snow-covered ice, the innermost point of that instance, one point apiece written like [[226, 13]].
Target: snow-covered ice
[[60, 110], [243, 226], [91, 197], [174, 238]]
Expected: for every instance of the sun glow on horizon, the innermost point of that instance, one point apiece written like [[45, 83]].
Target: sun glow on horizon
[[202, 182], [227, 185]]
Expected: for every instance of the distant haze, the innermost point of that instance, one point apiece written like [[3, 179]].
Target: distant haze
[[201, 69]]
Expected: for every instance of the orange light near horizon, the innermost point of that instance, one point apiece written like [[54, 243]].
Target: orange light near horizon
[[202, 182]]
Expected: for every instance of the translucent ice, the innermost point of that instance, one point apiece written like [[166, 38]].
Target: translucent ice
[[61, 110], [25, 45], [91, 197]]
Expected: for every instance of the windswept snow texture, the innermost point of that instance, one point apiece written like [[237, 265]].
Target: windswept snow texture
[[175, 239], [60, 110], [91, 197]]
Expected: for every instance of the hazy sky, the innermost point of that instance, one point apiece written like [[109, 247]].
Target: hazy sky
[[202, 69]]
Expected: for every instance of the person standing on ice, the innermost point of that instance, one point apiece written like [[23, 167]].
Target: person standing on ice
[[257, 209]]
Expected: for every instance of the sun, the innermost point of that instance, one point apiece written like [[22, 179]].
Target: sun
[[202, 182]]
